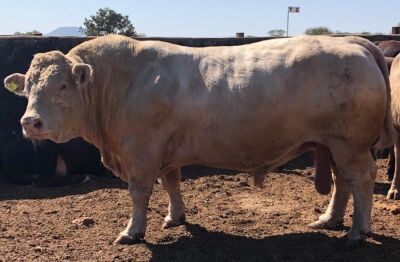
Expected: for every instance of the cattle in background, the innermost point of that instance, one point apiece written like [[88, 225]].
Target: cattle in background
[[394, 191], [153, 107], [47, 163], [390, 50]]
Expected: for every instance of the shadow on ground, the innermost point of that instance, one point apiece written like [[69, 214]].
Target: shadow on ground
[[381, 188], [204, 245], [17, 192]]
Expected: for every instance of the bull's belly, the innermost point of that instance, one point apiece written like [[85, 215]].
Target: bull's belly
[[254, 157]]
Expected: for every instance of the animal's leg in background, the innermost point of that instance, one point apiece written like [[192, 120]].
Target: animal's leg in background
[[394, 191], [176, 207], [391, 164]]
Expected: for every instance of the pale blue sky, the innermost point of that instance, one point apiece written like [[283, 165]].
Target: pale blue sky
[[205, 18]]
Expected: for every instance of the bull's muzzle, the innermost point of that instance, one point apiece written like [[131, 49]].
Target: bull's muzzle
[[32, 126]]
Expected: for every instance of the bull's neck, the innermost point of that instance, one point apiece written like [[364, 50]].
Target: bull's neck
[[102, 115]]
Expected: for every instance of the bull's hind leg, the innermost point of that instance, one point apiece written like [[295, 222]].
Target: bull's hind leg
[[176, 207], [361, 177], [334, 214], [356, 172]]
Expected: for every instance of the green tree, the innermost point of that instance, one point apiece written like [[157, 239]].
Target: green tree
[[321, 30], [276, 32], [108, 21], [33, 32]]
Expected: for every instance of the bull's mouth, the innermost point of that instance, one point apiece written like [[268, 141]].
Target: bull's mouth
[[53, 135], [38, 136]]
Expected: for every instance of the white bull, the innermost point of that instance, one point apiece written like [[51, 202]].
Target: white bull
[[153, 107]]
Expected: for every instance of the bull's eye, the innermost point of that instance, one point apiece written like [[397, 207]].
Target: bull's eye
[[63, 86]]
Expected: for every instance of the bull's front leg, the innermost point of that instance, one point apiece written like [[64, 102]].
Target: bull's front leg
[[140, 191], [176, 207]]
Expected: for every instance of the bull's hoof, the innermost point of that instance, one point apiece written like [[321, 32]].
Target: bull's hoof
[[393, 194], [125, 239], [319, 224], [356, 241], [168, 223], [352, 244]]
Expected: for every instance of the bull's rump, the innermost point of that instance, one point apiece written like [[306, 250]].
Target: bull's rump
[[258, 104]]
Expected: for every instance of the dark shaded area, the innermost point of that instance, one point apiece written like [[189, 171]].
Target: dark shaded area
[[204, 245], [17, 192], [381, 188], [25, 162]]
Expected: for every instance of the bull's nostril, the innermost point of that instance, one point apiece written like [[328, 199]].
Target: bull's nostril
[[37, 124]]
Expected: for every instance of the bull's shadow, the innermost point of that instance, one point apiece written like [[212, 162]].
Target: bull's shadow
[[16, 192], [381, 188], [204, 245]]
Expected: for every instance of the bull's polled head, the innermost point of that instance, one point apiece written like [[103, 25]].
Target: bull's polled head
[[53, 86]]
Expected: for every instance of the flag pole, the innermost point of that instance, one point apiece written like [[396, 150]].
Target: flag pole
[[287, 23]]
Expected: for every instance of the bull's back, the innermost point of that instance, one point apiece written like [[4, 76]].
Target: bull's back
[[268, 97], [304, 79]]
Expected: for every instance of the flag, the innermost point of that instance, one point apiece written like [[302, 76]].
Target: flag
[[294, 9]]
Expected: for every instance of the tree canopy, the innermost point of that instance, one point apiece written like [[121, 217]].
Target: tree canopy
[[108, 21], [321, 30], [276, 33], [33, 32]]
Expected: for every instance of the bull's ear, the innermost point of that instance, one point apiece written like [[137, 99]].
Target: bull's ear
[[15, 83], [82, 73]]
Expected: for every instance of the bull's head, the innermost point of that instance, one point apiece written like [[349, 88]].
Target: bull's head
[[52, 86]]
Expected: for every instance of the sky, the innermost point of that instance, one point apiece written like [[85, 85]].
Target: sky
[[205, 18]]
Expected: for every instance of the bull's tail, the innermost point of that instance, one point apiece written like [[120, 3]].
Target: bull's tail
[[388, 134]]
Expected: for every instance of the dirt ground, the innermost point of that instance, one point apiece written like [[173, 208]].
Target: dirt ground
[[228, 219]]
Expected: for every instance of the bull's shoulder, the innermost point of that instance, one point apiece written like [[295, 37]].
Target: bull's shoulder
[[104, 43]]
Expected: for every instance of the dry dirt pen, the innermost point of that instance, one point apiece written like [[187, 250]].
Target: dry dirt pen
[[228, 219]]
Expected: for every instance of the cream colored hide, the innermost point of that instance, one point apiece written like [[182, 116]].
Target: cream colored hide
[[394, 191], [153, 107]]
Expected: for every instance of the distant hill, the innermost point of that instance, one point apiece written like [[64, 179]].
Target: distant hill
[[65, 31]]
